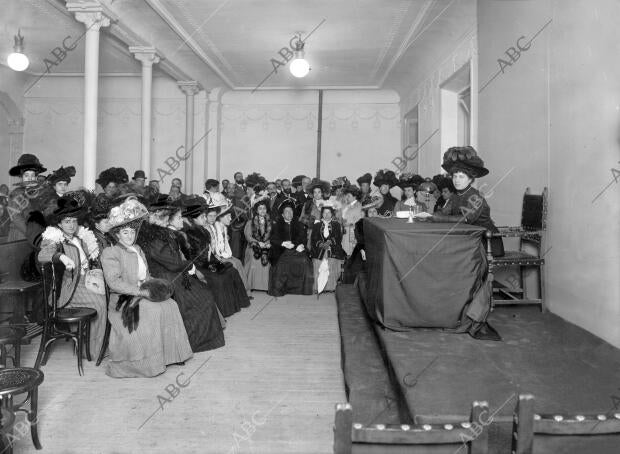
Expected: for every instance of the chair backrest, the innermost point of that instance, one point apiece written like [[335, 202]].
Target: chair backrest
[[50, 296], [534, 211], [527, 424], [472, 435]]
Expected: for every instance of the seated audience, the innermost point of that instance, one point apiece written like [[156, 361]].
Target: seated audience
[[291, 271], [467, 205], [326, 241], [258, 237], [159, 240], [407, 183], [155, 336], [218, 221], [223, 278], [72, 249]]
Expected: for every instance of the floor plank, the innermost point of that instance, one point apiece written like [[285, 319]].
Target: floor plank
[[271, 389]]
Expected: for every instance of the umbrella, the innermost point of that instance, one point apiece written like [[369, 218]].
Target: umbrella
[[323, 275]]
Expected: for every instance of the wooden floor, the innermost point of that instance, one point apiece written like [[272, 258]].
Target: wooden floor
[[271, 389]]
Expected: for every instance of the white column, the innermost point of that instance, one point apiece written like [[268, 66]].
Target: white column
[[190, 88], [91, 15], [213, 155], [147, 56]]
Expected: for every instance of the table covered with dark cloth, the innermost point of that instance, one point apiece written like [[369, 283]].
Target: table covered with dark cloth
[[423, 274]]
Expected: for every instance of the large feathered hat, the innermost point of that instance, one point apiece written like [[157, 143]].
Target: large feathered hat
[[340, 182], [464, 159], [366, 178], [194, 207], [27, 162], [297, 180], [62, 174], [256, 179], [68, 207], [409, 180], [385, 177], [288, 202], [117, 175], [130, 213], [318, 183]]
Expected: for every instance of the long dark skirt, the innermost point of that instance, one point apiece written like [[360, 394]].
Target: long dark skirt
[[292, 274], [228, 290], [199, 311]]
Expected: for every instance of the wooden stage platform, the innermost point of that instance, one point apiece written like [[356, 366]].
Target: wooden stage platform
[[436, 375]]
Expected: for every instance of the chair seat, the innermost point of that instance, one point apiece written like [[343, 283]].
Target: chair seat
[[75, 314], [518, 258], [19, 380], [11, 334]]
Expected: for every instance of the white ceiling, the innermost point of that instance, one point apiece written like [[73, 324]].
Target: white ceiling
[[358, 43]]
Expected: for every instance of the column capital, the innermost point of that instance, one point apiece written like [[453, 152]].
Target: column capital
[[90, 13], [146, 55], [16, 126], [189, 87]]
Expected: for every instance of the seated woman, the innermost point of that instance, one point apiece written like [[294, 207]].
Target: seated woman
[[73, 250], [258, 235], [165, 260], [326, 240], [291, 268], [468, 205], [158, 337], [444, 202], [407, 183], [218, 221], [386, 180], [357, 261], [223, 279]]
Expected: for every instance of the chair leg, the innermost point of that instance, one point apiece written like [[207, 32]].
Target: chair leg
[[87, 339], [32, 417], [80, 342], [42, 346], [104, 346]]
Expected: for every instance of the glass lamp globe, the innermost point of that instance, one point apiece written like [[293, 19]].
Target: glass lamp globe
[[17, 61], [299, 67]]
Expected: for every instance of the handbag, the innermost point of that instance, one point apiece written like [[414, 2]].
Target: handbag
[[93, 281]]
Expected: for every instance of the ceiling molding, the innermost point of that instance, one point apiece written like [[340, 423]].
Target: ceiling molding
[[405, 42], [187, 39]]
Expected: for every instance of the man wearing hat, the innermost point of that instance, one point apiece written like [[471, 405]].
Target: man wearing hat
[[25, 198], [300, 183], [138, 182]]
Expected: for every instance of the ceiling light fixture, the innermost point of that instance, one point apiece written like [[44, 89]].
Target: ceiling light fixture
[[17, 60], [299, 66]]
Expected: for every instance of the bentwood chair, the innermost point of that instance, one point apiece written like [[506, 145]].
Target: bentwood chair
[[531, 233], [464, 437], [108, 327], [21, 380], [534, 433], [58, 322]]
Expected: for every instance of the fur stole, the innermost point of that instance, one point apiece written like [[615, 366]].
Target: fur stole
[[261, 231]]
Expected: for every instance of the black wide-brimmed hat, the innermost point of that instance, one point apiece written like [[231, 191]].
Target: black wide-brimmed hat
[[366, 178], [27, 162], [288, 202], [68, 207], [117, 175], [62, 174], [297, 180], [340, 182], [385, 177], [256, 179], [162, 202], [464, 159], [410, 180], [194, 207], [139, 174], [100, 207], [317, 183], [352, 189], [211, 183]]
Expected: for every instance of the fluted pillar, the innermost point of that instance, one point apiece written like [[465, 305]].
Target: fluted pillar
[[190, 88], [213, 158], [92, 16], [147, 56]]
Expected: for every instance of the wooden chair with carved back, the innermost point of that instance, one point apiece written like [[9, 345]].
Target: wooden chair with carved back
[[550, 433], [531, 234]]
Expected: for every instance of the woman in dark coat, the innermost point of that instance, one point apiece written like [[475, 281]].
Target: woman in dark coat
[[386, 180], [166, 261], [291, 270], [326, 242], [223, 279]]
